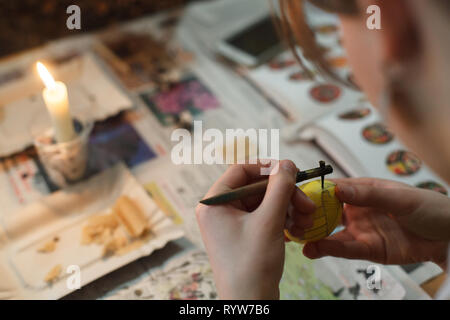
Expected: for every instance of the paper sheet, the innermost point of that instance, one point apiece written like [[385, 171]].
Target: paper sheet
[[188, 277], [349, 279], [63, 215]]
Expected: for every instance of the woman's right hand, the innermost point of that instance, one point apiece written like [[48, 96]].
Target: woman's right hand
[[244, 239], [388, 222]]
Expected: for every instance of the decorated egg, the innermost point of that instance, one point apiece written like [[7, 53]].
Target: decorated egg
[[328, 211]]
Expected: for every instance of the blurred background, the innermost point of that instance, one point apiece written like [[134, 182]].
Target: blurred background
[[29, 23]]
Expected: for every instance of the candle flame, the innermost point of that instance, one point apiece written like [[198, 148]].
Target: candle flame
[[45, 76]]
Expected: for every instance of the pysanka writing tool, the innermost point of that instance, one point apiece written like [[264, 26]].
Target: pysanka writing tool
[[260, 187]]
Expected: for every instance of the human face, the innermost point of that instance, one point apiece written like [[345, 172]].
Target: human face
[[422, 121]]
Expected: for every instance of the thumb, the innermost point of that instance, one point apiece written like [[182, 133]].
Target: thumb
[[278, 195], [398, 201], [423, 212]]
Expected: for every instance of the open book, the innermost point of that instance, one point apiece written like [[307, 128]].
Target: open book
[[363, 147]]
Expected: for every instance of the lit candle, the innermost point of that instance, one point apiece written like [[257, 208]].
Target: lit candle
[[57, 102]]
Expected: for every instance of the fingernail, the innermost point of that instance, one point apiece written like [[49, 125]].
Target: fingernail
[[289, 166], [345, 192]]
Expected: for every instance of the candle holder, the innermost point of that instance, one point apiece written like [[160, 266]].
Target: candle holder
[[66, 162]]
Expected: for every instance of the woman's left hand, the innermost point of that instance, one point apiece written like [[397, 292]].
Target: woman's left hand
[[388, 222]]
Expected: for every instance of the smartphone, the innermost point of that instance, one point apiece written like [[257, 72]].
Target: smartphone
[[252, 45]]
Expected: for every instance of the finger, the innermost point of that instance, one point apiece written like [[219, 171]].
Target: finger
[[336, 248], [349, 249], [300, 212], [398, 201], [253, 202], [303, 221], [301, 203], [278, 194], [310, 249], [381, 183], [297, 227], [343, 235], [296, 232], [236, 176]]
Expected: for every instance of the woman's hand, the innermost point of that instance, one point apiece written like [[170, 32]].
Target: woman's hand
[[388, 222], [245, 239]]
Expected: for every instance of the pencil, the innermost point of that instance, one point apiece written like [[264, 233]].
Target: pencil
[[261, 186]]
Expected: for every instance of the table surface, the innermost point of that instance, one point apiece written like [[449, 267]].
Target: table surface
[[134, 270]]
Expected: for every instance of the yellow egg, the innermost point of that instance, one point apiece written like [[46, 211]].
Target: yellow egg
[[328, 211]]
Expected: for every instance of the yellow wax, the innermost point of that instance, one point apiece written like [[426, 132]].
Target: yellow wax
[[328, 211], [57, 103]]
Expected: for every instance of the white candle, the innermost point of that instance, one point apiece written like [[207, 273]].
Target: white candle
[[57, 102]]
